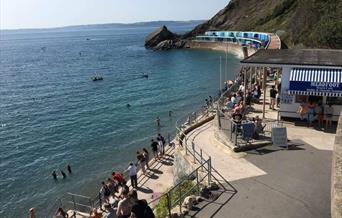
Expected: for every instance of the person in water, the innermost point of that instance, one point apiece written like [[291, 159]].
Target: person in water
[[69, 169], [54, 175], [158, 122], [128, 105], [63, 174], [170, 113]]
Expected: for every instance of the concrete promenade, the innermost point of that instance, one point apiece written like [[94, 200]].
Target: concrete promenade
[[270, 181]]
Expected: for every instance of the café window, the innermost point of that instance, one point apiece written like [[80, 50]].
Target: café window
[[315, 99], [334, 100], [301, 98]]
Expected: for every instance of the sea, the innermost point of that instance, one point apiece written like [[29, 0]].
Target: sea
[[52, 113]]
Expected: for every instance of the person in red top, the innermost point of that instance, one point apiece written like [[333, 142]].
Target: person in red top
[[118, 177]]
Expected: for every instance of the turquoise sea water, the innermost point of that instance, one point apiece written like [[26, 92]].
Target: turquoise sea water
[[52, 114]]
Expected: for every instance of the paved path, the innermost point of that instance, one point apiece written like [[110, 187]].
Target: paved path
[[275, 42], [222, 159], [270, 182]]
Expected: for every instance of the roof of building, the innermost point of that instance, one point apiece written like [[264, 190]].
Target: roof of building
[[315, 57]]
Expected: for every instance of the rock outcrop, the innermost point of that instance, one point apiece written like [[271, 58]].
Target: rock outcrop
[[163, 39]]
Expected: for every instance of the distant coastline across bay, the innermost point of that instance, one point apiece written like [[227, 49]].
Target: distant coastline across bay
[[109, 25]]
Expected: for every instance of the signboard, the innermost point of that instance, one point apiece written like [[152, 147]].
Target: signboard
[[286, 98], [279, 136], [322, 87]]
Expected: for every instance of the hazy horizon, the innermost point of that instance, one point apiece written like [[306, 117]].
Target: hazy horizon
[[104, 24], [41, 14]]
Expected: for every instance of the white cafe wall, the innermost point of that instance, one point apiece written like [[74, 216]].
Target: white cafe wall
[[288, 101]]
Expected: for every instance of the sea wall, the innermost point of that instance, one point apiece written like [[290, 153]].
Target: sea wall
[[234, 49], [336, 174]]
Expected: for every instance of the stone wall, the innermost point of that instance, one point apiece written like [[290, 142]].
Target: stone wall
[[336, 174], [220, 46]]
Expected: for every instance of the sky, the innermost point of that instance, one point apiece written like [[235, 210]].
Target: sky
[[18, 14]]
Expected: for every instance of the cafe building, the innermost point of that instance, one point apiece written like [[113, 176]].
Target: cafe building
[[307, 75]]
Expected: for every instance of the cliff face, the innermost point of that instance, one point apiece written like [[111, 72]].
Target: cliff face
[[299, 23]]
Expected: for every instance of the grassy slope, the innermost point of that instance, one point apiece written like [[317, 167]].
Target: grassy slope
[[300, 23]]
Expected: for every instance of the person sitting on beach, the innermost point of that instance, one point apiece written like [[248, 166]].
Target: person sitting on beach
[[258, 127], [61, 213], [94, 213], [112, 185], [122, 189], [239, 109], [124, 206], [232, 102], [140, 209], [154, 146], [104, 192], [109, 211], [242, 87], [118, 177], [141, 161]]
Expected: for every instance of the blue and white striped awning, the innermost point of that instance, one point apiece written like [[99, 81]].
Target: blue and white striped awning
[[316, 75], [316, 82]]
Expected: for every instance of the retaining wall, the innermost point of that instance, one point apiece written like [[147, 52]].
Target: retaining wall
[[336, 174], [221, 46]]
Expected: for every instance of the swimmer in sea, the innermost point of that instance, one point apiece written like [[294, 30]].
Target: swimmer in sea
[[54, 175], [158, 121], [69, 168], [128, 105], [63, 174]]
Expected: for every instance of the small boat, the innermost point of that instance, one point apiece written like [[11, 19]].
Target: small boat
[[96, 78]]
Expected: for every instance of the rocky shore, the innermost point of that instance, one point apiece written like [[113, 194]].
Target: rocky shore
[[163, 39]]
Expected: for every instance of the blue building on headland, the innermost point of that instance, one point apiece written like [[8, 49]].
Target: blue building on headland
[[253, 39]]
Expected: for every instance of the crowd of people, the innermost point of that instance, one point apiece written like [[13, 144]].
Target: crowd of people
[[118, 200], [115, 196], [312, 111]]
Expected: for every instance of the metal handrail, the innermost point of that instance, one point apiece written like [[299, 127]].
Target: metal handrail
[[204, 161], [177, 187]]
